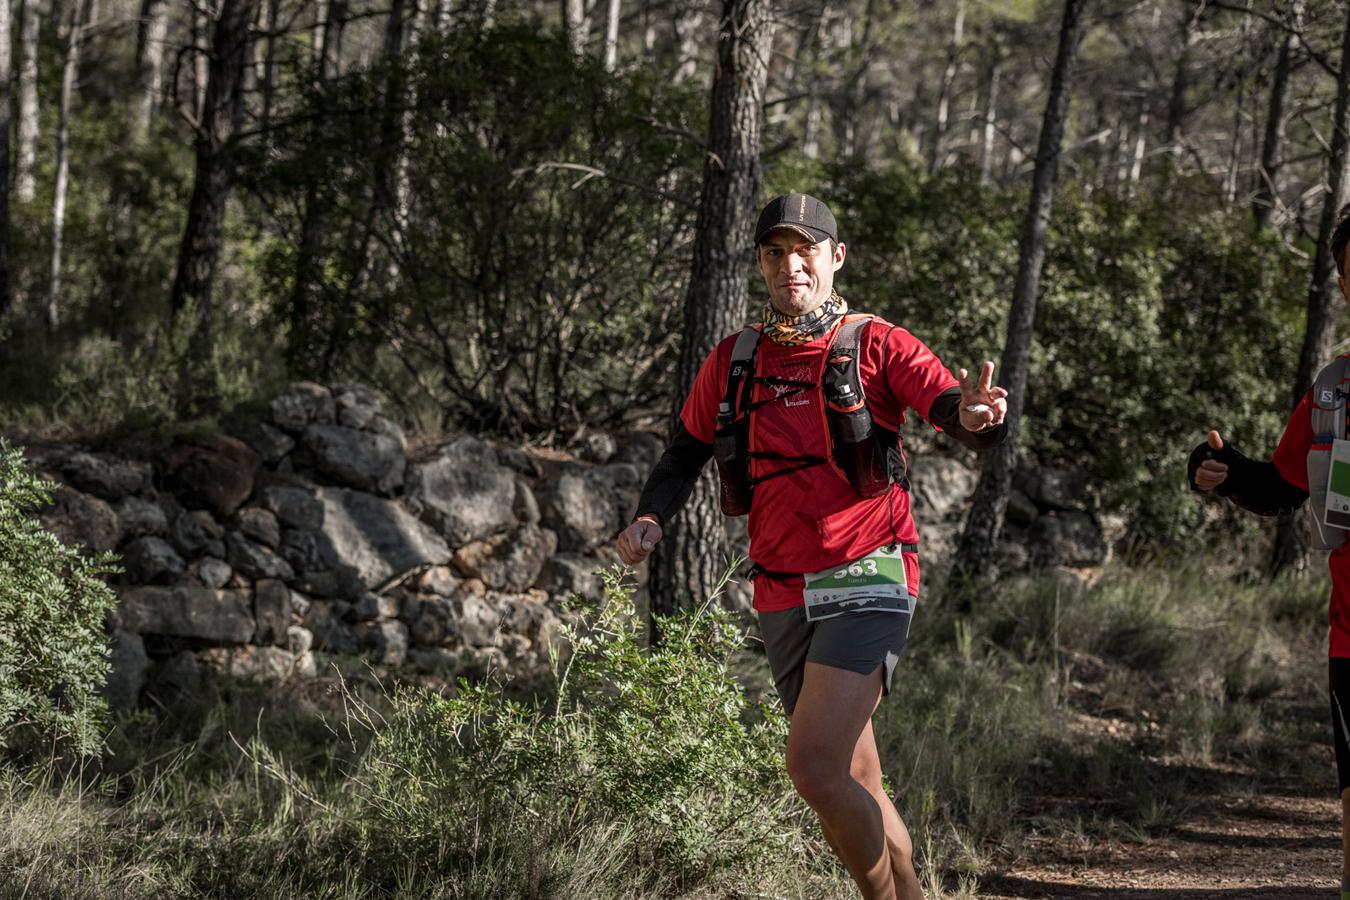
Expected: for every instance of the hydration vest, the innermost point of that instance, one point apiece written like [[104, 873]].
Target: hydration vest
[[862, 451], [1329, 393]]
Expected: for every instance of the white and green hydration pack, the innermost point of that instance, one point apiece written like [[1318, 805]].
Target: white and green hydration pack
[[1329, 456]]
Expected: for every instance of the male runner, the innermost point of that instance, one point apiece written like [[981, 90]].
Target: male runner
[[819, 467], [1302, 465]]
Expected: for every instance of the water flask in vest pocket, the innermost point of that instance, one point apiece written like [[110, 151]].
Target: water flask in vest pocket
[[856, 448], [731, 448], [1329, 487]]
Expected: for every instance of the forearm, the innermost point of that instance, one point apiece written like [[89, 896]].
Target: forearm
[[1255, 486], [672, 479], [945, 413]]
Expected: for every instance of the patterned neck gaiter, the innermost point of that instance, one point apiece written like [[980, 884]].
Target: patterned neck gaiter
[[793, 331]]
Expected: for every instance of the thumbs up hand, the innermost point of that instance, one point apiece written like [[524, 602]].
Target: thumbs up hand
[[1211, 473]]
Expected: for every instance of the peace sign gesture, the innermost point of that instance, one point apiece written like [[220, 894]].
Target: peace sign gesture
[[982, 406]]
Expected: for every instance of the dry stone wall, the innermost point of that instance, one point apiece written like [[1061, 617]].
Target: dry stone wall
[[316, 533]]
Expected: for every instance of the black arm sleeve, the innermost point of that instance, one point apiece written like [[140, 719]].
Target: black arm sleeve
[[672, 479], [1255, 486], [946, 414]]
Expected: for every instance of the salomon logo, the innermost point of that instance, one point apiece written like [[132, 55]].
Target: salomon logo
[[1327, 396]]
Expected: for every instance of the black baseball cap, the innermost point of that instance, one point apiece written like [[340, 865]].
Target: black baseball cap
[[802, 213]]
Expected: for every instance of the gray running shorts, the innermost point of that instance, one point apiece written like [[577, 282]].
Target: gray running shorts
[[858, 642]]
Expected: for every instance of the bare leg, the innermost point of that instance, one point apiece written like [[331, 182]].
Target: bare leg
[[833, 709], [866, 770]]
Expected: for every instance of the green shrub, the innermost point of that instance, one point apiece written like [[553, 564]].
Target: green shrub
[[53, 652]]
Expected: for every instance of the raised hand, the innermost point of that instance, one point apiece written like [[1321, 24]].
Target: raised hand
[[982, 404], [1211, 473]]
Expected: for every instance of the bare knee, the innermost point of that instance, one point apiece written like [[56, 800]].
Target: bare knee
[[817, 781]]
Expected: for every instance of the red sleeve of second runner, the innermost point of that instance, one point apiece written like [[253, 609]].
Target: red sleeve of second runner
[[699, 413], [1291, 454], [914, 373]]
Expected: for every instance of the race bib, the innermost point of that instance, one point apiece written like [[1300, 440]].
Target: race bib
[[874, 582], [1337, 511]]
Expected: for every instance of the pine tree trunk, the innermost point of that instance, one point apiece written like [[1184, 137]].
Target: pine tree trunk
[[25, 180], [151, 35], [69, 74], [688, 28], [976, 551], [575, 25], [990, 116], [692, 556], [269, 65], [6, 72], [1272, 147], [1324, 297], [202, 235], [612, 36], [1181, 83], [330, 57], [937, 149]]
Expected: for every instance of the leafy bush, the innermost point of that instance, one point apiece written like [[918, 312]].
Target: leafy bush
[[53, 652], [655, 755]]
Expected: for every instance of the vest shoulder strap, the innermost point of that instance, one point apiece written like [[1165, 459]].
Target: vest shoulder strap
[[841, 378], [739, 380], [1329, 394]]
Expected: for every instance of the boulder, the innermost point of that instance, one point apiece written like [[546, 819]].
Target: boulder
[[525, 507], [330, 633], [272, 444], [940, 485], [78, 518], [477, 620], [431, 620], [255, 561], [598, 447], [582, 510], [191, 612], [1022, 510], [357, 405], [389, 641], [371, 605], [1068, 538], [214, 573], [438, 580], [304, 550], [151, 560], [566, 574], [357, 459], [464, 493], [299, 640], [371, 539], [259, 525], [128, 666], [139, 516], [196, 531], [294, 507], [641, 449], [104, 476], [266, 664], [272, 611], [1049, 488], [302, 404], [509, 562], [215, 474]]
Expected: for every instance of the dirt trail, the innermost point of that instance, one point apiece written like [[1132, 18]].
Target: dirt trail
[[1270, 845]]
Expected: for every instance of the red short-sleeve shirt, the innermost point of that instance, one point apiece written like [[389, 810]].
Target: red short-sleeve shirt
[[1291, 461], [812, 519]]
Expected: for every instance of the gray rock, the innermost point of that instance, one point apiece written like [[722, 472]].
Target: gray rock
[[299, 604], [299, 640], [1068, 538], [508, 562], [216, 473], [431, 620], [583, 510], [324, 620], [371, 605], [265, 664], [1022, 510], [194, 531], [1052, 489], [182, 674], [293, 507], [304, 550], [464, 493], [434, 660], [259, 525], [371, 539], [357, 405], [525, 507], [640, 448], [941, 485], [318, 584], [272, 611], [389, 428], [357, 459], [304, 403], [598, 447], [193, 612], [255, 561], [78, 518], [106, 477], [150, 560], [438, 580], [528, 616], [213, 572], [127, 675], [272, 444], [139, 516], [477, 620], [566, 574], [389, 640]]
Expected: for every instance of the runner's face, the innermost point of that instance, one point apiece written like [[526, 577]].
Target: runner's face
[[798, 273]]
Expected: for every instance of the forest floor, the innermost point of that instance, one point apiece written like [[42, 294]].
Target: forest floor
[[1249, 836]]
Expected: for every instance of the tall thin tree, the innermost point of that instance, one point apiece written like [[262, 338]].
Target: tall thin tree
[[74, 34], [1291, 544], [203, 233], [991, 494], [25, 178], [689, 560], [6, 71], [152, 32], [1267, 191]]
